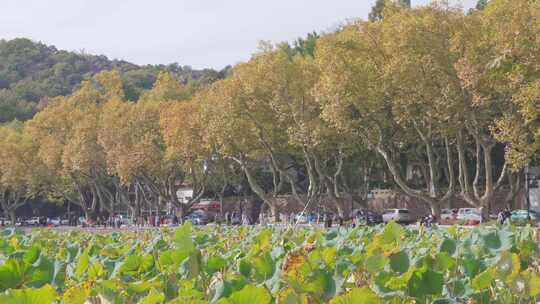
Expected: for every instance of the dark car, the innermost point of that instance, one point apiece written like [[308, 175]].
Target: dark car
[[198, 218], [367, 217]]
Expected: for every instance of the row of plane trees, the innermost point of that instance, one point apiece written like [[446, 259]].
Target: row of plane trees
[[454, 96]]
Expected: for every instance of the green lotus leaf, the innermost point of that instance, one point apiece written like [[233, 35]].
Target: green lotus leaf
[[43, 295], [183, 239], [375, 262], [215, 264], [83, 261], [153, 297], [399, 262], [32, 255], [484, 279], [248, 295], [449, 246], [444, 262], [426, 282], [357, 296]]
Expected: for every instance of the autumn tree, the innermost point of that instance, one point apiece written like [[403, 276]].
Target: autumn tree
[[168, 88], [377, 11], [135, 146], [223, 177], [66, 132], [21, 172], [498, 67], [325, 153], [266, 114], [119, 135], [182, 134], [392, 85], [513, 37], [288, 119], [232, 131]]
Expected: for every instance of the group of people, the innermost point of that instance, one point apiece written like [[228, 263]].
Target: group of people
[[294, 218], [156, 220], [504, 215], [116, 221], [112, 221], [237, 218]]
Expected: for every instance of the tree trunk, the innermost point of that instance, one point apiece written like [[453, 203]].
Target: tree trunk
[[514, 179], [221, 205], [181, 213], [340, 208], [257, 189], [274, 212], [394, 170], [69, 212], [436, 210], [489, 186], [12, 217], [88, 213]]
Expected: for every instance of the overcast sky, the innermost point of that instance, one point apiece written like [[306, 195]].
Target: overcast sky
[[200, 33]]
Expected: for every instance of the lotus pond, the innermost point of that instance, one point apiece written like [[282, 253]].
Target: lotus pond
[[251, 265]]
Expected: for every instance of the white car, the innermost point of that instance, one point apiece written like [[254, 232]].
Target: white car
[[58, 221], [470, 216], [301, 219], [5, 222], [397, 215], [33, 221]]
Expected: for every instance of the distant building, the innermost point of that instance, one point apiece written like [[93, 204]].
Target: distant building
[[207, 205], [184, 194]]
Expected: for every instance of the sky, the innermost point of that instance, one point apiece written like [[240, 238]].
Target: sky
[[199, 33]]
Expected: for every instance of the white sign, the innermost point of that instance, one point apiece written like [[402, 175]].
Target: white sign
[[184, 195]]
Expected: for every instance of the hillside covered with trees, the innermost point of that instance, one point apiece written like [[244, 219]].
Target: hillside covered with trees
[[31, 72]]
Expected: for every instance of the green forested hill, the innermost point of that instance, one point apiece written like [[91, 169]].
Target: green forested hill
[[32, 71]]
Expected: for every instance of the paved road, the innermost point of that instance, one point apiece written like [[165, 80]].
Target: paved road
[[135, 229]]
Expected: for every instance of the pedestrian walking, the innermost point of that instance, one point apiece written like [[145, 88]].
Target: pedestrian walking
[[504, 215]]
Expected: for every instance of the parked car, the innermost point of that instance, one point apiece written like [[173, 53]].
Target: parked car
[[469, 216], [521, 216], [313, 217], [367, 217], [449, 216], [301, 219], [126, 220], [57, 221], [33, 221], [398, 215], [198, 218], [5, 222]]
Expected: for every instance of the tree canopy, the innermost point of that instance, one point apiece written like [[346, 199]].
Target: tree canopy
[[433, 102]]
